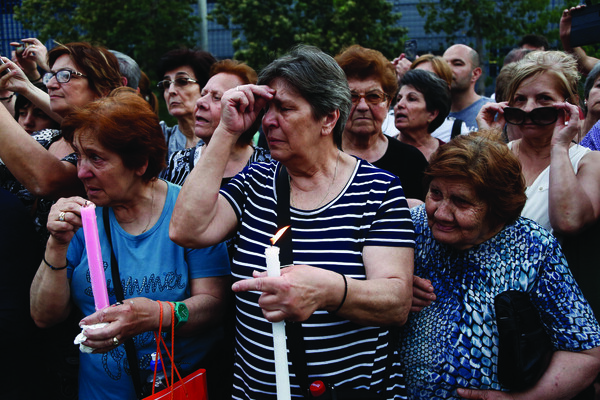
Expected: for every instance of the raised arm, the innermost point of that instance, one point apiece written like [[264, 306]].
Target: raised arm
[[17, 81], [584, 62], [574, 198], [41, 171], [384, 298], [201, 216]]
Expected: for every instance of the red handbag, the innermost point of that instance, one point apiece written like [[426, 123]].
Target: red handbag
[[192, 386]]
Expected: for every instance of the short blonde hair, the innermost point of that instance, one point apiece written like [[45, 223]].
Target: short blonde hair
[[438, 64], [558, 63]]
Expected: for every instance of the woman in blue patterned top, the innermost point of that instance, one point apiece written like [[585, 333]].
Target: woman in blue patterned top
[[350, 223], [472, 245]]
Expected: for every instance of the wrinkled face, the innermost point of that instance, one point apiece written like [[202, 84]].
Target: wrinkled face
[[456, 215], [181, 100], [593, 100], [537, 91], [65, 97], [208, 106], [106, 179], [462, 69], [33, 119], [289, 124], [410, 111], [365, 117]]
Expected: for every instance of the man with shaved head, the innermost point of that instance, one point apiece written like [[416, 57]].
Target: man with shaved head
[[464, 62]]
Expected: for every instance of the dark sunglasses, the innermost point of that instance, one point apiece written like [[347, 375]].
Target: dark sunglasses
[[539, 116]]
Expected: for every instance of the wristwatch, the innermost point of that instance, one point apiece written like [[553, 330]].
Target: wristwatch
[[181, 314]]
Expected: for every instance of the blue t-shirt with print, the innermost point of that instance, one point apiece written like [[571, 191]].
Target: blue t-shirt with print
[[150, 266]]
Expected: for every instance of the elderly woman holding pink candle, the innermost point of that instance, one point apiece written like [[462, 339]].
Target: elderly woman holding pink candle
[[120, 151], [351, 234]]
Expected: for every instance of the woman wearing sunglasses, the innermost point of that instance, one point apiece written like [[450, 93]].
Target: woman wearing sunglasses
[[183, 74], [562, 178]]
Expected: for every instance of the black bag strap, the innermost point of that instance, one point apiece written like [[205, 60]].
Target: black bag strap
[[116, 278], [456, 128], [293, 330]]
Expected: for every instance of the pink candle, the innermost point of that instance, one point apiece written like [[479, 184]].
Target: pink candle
[[94, 253]]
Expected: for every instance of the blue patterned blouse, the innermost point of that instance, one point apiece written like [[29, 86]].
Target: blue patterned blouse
[[454, 342]]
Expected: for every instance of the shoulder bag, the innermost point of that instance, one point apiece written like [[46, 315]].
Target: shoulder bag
[[524, 349]]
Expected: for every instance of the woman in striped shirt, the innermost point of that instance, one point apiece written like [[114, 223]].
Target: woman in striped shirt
[[352, 236]]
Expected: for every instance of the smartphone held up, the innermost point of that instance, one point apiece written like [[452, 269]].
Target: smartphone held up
[[7, 70]]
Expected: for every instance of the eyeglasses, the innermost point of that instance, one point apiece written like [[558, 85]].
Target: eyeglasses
[[179, 83], [62, 76], [539, 116], [372, 97]]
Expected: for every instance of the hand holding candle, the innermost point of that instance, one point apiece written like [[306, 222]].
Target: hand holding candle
[[282, 377], [94, 253]]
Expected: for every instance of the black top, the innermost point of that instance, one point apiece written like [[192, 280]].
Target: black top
[[407, 163]]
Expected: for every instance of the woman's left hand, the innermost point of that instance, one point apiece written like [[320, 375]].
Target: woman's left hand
[[294, 296], [134, 316], [34, 55], [568, 124]]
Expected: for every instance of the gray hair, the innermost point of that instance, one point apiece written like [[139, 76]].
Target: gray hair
[[589, 83], [318, 79], [129, 68]]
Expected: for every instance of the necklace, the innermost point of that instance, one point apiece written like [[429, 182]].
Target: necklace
[[337, 162], [151, 208]]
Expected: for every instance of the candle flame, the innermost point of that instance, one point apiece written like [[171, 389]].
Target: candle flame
[[279, 234]]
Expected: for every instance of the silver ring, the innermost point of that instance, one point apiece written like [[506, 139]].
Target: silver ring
[[61, 216], [115, 341]]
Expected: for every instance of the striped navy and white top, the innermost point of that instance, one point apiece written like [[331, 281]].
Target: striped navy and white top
[[370, 211]]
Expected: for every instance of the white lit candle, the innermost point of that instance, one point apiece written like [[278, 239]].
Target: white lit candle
[[282, 377]]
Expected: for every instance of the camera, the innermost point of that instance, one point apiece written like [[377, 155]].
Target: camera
[[19, 49], [585, 25], [5, 71], [410, 49]]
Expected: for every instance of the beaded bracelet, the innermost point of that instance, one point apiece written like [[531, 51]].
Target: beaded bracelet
[[53, 267], [345, 294]]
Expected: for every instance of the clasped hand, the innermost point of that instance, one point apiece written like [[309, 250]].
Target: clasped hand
[[242, 105], [134, 316]]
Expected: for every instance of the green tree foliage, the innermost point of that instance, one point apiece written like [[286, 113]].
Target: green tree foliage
[[143, 29], [496, 26], [266, 29]]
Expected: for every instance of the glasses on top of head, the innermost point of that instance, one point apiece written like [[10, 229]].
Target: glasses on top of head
[[372, 97], [179, 82], [62, 76], [539, 116]]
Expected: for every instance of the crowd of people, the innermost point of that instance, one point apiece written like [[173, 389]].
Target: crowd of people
[[411, 203]]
